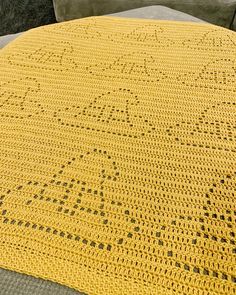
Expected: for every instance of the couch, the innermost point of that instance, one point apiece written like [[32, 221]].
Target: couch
[[18, 16]]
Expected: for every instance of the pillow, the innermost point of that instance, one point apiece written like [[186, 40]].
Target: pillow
[[219, 12]]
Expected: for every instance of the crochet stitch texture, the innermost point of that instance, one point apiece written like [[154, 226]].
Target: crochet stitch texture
[[118, 156]]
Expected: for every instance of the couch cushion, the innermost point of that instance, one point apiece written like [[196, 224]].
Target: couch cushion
[[4, 40], [13, 283], [219, 12], [158, 12]]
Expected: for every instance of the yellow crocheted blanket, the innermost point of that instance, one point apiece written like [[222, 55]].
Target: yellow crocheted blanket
[[118, 156]]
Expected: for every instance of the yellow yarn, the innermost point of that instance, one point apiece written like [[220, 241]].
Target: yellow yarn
[[118, 156]]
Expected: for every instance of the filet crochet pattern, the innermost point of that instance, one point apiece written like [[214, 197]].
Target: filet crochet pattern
[[118, 156]]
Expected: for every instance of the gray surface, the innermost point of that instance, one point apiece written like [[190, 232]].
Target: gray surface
[[12, 283], [4, 40], [158, 12]]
